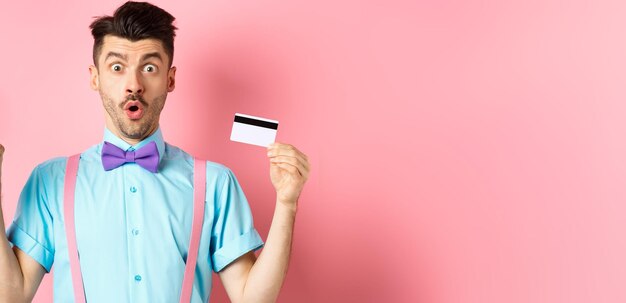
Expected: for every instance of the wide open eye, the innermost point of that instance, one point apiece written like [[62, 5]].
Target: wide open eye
[[116, 67], [149, 68]]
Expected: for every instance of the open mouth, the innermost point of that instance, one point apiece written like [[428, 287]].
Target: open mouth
[[134, 110]]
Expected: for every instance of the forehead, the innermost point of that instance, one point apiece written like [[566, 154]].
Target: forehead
[[132, 49]]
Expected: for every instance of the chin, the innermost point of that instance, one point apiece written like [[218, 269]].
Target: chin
[[135, 134]]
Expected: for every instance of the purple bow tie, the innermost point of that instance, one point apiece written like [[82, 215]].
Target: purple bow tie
[[114, 157]]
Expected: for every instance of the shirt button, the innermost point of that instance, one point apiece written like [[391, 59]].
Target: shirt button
[[133, 189], [137, 278], [135, 232]]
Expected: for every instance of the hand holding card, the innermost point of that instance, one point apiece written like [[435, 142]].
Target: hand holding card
[[254, 130]]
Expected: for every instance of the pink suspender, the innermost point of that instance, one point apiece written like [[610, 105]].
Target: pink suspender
[[199, 190], [68, 211]]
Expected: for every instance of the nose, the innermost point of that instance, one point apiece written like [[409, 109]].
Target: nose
[[134, 84]]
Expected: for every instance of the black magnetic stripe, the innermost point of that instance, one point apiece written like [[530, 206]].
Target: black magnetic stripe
[[256, 122]]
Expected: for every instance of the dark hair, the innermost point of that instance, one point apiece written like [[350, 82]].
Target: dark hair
[[135, 21]]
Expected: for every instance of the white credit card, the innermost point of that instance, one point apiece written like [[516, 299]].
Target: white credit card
[[254, 130]]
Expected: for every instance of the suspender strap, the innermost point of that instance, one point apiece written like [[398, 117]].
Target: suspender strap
[[70, 231], [199, 190]]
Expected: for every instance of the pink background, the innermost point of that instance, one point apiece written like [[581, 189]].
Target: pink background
[[462, 151]]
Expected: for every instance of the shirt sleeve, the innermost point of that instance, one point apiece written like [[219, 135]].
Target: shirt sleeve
[[233, 232], [31, 230]]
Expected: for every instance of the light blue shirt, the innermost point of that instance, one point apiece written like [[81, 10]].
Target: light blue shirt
[[132, 226]]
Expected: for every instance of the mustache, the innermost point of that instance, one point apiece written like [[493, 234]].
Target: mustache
[[134, 97]]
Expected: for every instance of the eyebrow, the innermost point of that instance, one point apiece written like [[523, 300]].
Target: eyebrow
[[116, 55], [125, 57], [152, 55]]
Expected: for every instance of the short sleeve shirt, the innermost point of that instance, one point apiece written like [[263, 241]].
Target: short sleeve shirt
[[132, 226]]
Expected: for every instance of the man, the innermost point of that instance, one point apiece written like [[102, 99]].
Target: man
[[133, 221]]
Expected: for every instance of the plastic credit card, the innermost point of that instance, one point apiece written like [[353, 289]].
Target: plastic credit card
[[254, 130]]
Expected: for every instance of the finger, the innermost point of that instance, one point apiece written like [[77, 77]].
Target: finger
[[277, 146], [290, 168], [284, 151], [295, 156], [278, 149], [304, 171], [281, 149]]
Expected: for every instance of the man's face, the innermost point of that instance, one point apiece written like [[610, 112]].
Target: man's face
[[133, 80]]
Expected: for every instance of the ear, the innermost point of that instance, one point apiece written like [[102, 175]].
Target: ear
[[171, 79], [94, 81]]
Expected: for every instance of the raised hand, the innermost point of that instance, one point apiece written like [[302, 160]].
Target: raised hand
[[289, 170]]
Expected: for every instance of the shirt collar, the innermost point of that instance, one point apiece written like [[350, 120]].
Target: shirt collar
[[157, 137]]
